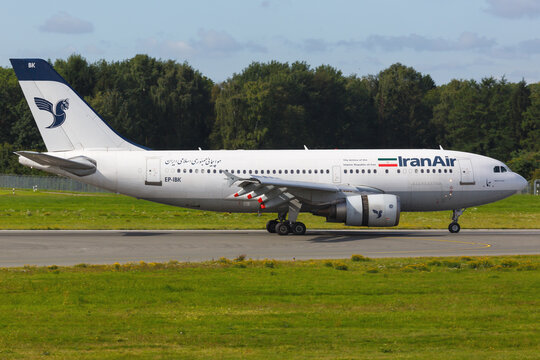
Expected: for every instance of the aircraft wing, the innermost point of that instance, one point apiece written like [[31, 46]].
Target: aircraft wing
[[273, 192], [80, 165]]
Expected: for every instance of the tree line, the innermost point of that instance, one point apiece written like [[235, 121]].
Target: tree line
[[162, 104]]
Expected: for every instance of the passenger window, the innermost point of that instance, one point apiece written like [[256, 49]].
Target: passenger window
[[185, 170], [369, 171], [386, 171], [279, 171], [190, 171], [440, 171], [374, 171], [327, 171], [450, 170], [363, 171], [398, 171], [286, 171], [273, 171], [309, 171], [422, 171], [315, 171], [303, 171]]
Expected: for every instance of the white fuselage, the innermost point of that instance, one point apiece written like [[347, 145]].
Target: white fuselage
[[424, 180]]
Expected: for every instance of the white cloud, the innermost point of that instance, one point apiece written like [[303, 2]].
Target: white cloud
[[222, 43], [207, 43], [316, 45], [514, 9], [466, 41], [530, 47], [166, 48], [64, 23]]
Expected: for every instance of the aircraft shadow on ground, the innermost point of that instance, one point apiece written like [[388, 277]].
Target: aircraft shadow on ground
[[143, 233], [347, 236]]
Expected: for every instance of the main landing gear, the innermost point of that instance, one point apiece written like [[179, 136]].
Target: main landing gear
[[282, 226], [454, 226], [286, 227]]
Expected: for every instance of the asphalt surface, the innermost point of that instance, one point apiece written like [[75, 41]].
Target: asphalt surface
[[19, 248]]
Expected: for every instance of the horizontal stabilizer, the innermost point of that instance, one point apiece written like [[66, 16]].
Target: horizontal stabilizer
[[80, 165]]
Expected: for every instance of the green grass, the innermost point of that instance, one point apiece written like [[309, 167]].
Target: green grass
[[57, 210], [423, 308]]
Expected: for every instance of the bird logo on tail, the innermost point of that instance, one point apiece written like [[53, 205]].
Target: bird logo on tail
[[59, 114]]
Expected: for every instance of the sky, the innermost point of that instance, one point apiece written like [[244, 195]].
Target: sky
[[459, 39]]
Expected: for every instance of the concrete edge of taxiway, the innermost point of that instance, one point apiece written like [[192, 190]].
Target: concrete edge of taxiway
[[264, 231]]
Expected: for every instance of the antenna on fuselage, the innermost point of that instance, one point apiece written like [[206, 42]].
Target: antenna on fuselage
[[305, 147], [440, 147]]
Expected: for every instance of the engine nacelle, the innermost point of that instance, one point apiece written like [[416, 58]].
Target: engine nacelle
[[365, 210]]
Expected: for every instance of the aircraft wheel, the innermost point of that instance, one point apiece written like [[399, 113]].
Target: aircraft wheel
[[298, 228], [271, 226], [454, 227], [282, 228]]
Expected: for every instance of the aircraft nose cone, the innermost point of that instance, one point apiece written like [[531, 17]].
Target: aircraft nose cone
[[521, 183]]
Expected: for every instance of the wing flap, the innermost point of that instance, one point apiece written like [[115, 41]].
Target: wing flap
[[273, 192]]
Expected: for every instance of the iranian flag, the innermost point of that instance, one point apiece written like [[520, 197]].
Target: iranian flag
[[387, 162]]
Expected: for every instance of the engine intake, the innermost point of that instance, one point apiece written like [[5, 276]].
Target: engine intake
[[365, 210]]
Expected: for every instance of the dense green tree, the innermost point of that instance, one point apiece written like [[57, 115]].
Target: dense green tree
[[280, 105], [78, 73], [161, 105], [403, 116], [530, 125]]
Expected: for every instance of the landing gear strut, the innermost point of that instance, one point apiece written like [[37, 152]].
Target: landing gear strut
[[282, 226], [454, 226]]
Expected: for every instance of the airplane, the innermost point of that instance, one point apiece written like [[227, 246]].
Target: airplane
[[355, 187]]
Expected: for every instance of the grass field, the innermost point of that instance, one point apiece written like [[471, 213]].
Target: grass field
[[423, 308], [57, 210]]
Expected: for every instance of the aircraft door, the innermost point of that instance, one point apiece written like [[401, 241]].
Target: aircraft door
[[153, 172], [336, 174], [466, 171]]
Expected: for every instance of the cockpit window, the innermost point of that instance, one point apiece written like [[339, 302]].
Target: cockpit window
[[497, 169], [503, 169]]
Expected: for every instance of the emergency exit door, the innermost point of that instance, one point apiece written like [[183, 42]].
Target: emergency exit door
[[153, 172], [466, 171], [336, 174]]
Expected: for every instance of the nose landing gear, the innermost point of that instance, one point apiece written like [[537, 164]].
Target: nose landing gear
[[454, 226]]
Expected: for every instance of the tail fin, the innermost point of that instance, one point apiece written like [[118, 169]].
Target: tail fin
[[66, 122]]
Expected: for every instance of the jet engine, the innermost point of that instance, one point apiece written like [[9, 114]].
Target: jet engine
[[364, 210]]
